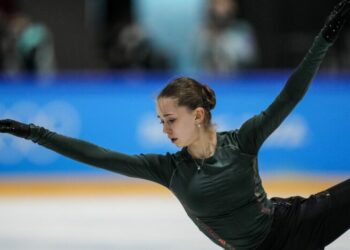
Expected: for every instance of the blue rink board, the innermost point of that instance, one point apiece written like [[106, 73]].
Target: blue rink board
[[118, 112]]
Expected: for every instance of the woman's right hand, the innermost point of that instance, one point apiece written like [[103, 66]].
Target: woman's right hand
[[15, 128]]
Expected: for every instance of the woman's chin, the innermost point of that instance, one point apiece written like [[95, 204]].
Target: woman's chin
[[177, 143]]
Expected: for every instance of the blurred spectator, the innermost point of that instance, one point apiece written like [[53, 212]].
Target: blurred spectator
[[25, 45], [130, 48], [6, 7], [225, 43], [2, 37]]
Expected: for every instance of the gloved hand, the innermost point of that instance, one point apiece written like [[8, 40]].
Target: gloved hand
[[335, 21], [14, 128]]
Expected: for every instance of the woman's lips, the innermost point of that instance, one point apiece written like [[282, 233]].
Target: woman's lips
[[173, 140]]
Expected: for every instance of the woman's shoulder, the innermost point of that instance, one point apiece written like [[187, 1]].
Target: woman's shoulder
[[227, 137]]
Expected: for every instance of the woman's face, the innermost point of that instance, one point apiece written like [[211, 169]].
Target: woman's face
[[179, 123]]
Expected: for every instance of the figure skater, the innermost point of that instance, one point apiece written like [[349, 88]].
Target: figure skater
[[215, 174]]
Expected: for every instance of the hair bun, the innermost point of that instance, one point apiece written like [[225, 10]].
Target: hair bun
[[209, 97]]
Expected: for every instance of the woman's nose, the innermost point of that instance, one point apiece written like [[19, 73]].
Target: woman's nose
[[165, 128]]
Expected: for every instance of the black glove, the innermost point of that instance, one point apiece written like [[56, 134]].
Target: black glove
[[14, 128], [335, 21]]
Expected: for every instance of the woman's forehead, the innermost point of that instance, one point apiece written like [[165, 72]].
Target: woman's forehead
[[168, 106], [167, 102]]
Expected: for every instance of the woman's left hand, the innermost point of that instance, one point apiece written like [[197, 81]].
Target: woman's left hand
[[335, 21]]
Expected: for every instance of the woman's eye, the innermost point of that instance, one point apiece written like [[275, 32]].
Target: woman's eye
[[170, 121]]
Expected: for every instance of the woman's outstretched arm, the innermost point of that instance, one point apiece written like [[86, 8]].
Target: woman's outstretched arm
[[254, 131], [154, 167]]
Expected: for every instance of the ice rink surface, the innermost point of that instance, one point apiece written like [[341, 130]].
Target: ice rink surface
[[148, 222]]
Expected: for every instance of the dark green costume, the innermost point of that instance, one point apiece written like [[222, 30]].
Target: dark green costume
[[225, 198]]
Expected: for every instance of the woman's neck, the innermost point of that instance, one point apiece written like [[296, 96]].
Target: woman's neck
[[204, 146]]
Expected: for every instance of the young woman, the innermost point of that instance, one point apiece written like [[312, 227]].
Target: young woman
[[215, 175]]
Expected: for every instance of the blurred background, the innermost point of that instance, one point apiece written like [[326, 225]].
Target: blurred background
[[91, 69]]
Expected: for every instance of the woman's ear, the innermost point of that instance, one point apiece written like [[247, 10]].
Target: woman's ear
[[199, 115]]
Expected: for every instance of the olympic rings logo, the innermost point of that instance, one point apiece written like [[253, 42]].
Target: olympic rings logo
[[58, 116]]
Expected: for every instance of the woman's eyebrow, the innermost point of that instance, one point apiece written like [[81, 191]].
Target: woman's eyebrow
[[165, 115]]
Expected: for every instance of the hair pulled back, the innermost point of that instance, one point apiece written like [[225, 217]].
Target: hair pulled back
[[191, 94]]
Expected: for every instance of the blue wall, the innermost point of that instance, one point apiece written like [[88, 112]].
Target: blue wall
[[118, 112]]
